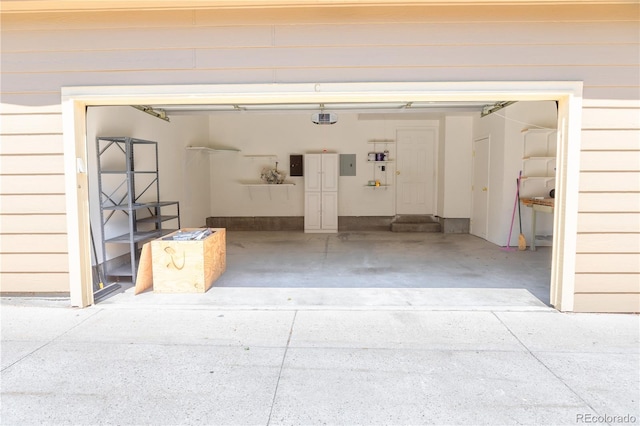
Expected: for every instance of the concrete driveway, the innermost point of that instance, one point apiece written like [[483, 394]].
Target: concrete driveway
[[155, 364]]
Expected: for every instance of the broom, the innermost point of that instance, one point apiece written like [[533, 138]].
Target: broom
[[522, 242]]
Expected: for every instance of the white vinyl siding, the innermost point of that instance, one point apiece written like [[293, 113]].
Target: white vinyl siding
[[608, 241], [33, 237], [597, 44]]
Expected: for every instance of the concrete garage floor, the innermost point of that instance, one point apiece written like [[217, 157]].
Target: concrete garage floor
[[381, 269]]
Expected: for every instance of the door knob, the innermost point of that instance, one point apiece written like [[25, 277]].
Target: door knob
[[484, 189], [397, 172]]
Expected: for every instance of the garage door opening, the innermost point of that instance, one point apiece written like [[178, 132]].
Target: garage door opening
[[252, 139]]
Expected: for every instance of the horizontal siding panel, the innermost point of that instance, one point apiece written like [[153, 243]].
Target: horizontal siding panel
[[626, 92], [609, 202], [310, 15], [30, 204], [607, 263], [9, 108], [610, 181], [35, 283], [20, 82], [320, 35], [27, 99], [429, 13], [595, 76], [113, 20], [456, 33], [608, 222], [34, 82], [42, 184], [610, 140], [611, 118], [614, 303], [611, 103], [15, 243], [33, 224], [34, 262], [32, 124], [319, 57], [137, 38], [607, 283], [608, 243], [97, 61], [621, 161], [31, 144], [416, 56], [31, 164]]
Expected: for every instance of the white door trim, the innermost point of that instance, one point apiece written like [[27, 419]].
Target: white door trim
[[568, 93]]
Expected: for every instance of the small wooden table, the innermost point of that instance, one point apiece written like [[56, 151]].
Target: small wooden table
[[544, 205]]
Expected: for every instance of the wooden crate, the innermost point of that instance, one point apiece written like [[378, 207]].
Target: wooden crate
[[188, 266]]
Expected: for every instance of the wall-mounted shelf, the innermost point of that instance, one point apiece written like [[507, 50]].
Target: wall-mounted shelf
[[380, 169], [260, 156], [377, 187], [269, 186], [538, 158], [546, 179], [538, 161], [210, 149]]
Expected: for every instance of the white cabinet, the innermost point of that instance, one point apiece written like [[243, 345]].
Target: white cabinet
[[321, 211], [321, 192]]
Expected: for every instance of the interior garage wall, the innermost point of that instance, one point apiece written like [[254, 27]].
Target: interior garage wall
[[456, 165], [506, 152], [263, 139], [596, 44], [183, 175]]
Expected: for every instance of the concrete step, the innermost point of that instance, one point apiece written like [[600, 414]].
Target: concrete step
[[415, 227], [414, 218]]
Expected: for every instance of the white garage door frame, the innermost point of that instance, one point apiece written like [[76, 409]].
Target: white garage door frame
[[75, 100]]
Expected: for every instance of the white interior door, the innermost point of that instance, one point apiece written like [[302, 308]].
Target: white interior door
[[480, 188], [416, 171]]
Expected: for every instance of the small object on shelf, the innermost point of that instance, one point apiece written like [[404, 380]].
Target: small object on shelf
[[371, 156], [372, 183], [552, 193], [273, 176]]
